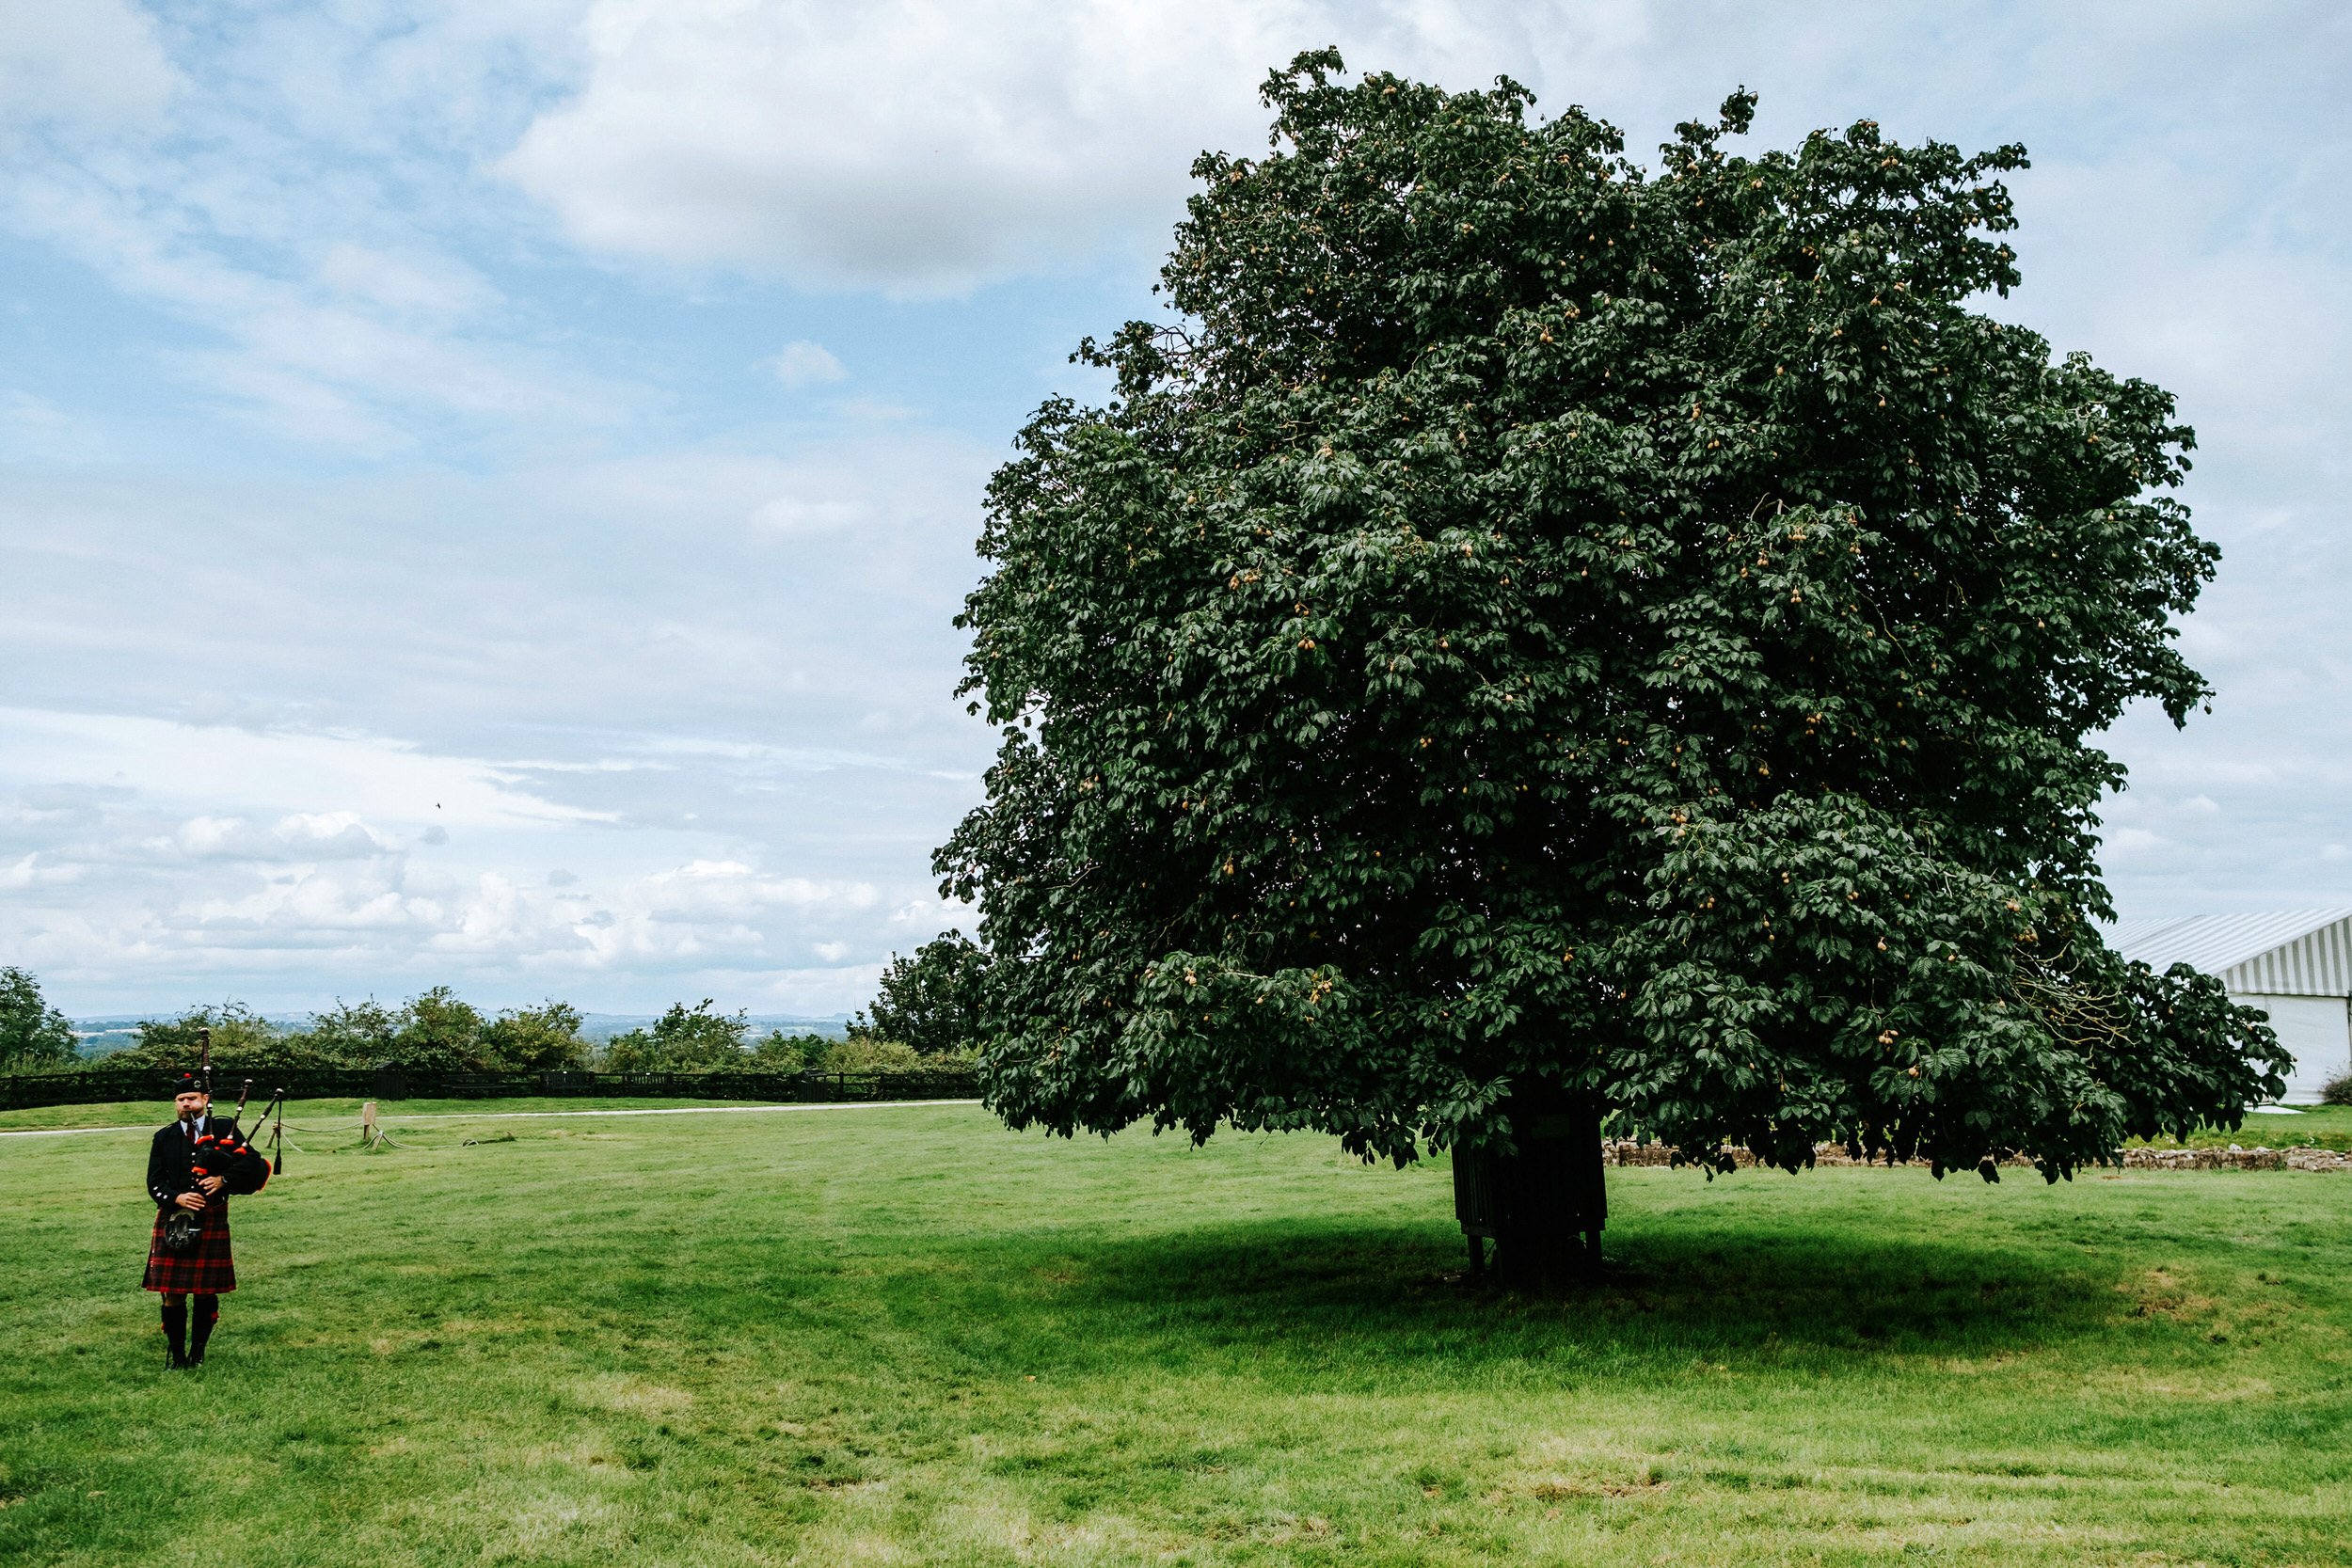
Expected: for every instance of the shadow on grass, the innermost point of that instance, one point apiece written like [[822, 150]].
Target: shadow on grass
[[1397, 1295]]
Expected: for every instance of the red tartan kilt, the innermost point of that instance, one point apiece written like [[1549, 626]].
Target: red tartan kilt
[[206, 1271]]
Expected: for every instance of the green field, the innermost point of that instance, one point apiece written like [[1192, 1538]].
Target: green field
[[902, 1335]]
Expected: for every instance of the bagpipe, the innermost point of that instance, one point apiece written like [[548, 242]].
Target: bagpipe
[[224, 1151]]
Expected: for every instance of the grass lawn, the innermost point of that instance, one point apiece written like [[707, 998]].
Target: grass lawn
[[901, 1335]]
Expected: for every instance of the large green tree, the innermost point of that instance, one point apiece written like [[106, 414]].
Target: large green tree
[[545, 1038], [33, 1034], [241, 1039], [1533, 626], [440, 1031], [355, 1034], [684, 1039], [932, 1001]]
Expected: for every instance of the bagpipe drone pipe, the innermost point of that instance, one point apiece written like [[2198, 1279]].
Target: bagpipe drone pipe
[[240, 1162]]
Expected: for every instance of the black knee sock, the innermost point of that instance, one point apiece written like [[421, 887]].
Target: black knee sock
[[176, 1327], [207, 1314]]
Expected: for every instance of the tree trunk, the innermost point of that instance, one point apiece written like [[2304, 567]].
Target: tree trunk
[[1546, 1204]]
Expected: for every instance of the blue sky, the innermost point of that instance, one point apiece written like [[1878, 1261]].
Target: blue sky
[[484, 486]]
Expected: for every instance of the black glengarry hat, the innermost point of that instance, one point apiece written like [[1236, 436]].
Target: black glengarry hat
[[188, 1084]]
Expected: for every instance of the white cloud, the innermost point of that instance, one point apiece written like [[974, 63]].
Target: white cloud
[[431, 286], [807, 364], [245, 903], [36, 430], [353, 360], [304, 910], [934, 915], [912, 145], [2123, 845], [296, 836], [30, 872], [704, 890], [350, 777], [92, 62], [266, 210]]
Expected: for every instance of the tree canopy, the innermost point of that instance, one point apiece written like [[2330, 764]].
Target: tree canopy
[[684, 1039], [1525, 616], [932, 1001], [33, 1034], [436, 1031], [241, 1037]]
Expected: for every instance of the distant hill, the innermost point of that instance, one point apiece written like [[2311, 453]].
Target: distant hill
[[101, 1037]]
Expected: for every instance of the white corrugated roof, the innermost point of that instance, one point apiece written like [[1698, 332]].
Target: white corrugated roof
[[2280, 953]]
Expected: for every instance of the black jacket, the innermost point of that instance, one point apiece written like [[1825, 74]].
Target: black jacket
[[171, 1159]]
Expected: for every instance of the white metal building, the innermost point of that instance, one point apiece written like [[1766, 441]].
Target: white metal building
[[2295, 965]]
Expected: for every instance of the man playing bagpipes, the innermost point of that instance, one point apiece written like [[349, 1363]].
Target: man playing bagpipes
[[194, 1164]]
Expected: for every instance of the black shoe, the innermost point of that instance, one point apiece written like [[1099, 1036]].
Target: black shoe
[[177, 1363]]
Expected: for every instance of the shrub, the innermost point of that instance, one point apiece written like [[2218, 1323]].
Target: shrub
[[357, 1034], [243, 1041], [782, 1052], [33, 1034], [436, 1032], [931, 1001], [683, 1039], [866, 1053], [440, 1034], [545, 1038], [2337, 1091]]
